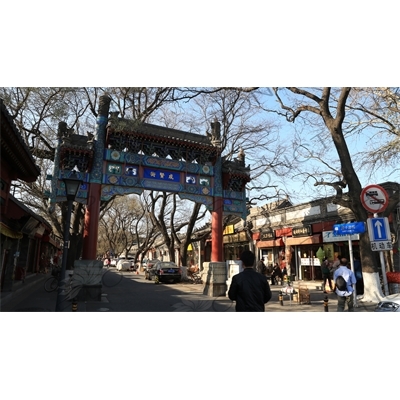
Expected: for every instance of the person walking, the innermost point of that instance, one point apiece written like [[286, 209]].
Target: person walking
[[261, 268], [326, 274], [345, 296], [276, 272], [248, 288]]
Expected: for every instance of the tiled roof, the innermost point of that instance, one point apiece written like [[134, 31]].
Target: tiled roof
[[126, 125], [16, 147]]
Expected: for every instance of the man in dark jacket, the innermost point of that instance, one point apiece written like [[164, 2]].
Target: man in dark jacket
[[249, 289]]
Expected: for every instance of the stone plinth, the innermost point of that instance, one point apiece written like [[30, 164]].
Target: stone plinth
[[88, 275], [214, 278]]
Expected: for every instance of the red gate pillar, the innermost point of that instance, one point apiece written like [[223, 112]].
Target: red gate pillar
[[215, 271], [217, 247], [91, 224]]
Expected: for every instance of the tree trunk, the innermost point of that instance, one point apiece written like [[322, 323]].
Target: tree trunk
[[184, 254], [372, 291], [372, 287]]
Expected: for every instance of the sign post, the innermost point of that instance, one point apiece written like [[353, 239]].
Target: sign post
[[375, 199], [349, 229], [379, 235]]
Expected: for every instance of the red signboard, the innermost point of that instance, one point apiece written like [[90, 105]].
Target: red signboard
[[283, 232]]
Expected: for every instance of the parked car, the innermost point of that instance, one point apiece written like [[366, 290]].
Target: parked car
[[164, 271], [126, 264], [391, 303], [150, 263]]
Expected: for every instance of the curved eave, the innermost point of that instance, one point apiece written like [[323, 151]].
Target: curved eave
[[14, 150], [161, 134]]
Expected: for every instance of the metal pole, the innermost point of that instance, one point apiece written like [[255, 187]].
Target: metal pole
[[200, 260], [299, 265], [383, 266], [384, 277], [352, 266], [61, 279]]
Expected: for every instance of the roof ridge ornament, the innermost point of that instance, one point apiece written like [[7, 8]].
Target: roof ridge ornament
[[215, 135]]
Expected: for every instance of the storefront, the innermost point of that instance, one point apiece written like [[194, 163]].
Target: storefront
[[235, 244], [269, 247], [303, 247], [338, 245]]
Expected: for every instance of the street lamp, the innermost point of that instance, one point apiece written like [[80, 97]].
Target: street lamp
[[72, 184]]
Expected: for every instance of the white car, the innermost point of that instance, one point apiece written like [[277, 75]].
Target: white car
[[125, 264]]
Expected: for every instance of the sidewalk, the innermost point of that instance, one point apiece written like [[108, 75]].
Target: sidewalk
[[22, 290], [30, 296], [317, 298]]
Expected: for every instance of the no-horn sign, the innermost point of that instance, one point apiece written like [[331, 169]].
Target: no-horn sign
[[374, 198]]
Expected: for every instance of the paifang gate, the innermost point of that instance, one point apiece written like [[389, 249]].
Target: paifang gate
[[128, 156]]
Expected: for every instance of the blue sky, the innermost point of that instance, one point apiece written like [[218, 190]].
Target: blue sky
[[313, 141]]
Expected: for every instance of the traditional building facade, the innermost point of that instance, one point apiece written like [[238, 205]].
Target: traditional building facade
[[26, 239], [297, 236]]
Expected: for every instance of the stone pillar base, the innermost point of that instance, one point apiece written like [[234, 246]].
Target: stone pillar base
[[214, 278], [88, 277]]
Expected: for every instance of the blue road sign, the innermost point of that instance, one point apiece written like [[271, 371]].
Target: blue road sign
[[349, 228], [378, 229]]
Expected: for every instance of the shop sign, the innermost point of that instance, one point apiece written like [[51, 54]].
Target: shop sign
[[302, 231], [235, 238], [268, 235], [229, 229]]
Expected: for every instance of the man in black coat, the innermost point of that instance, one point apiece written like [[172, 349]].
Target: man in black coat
[[249, 289]]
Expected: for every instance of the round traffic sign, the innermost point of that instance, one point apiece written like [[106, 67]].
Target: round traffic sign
[[374, 198]]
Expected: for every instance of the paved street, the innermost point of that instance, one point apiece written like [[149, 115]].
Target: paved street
[[130, 292]]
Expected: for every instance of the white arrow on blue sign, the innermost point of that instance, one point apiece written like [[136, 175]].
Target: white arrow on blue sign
[[378, 229]]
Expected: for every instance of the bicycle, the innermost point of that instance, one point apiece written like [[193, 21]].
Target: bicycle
[[194, 277], [51, 284]]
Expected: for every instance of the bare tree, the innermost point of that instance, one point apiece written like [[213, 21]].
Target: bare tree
[[378, 111], [330, 107], [125, 227], [171, 219], [37, 112]]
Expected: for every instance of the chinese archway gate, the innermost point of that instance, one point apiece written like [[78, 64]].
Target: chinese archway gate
[[128, 156]]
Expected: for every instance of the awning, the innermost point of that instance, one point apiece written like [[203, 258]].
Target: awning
[[314, 239], [6, 231], [270, 243]]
